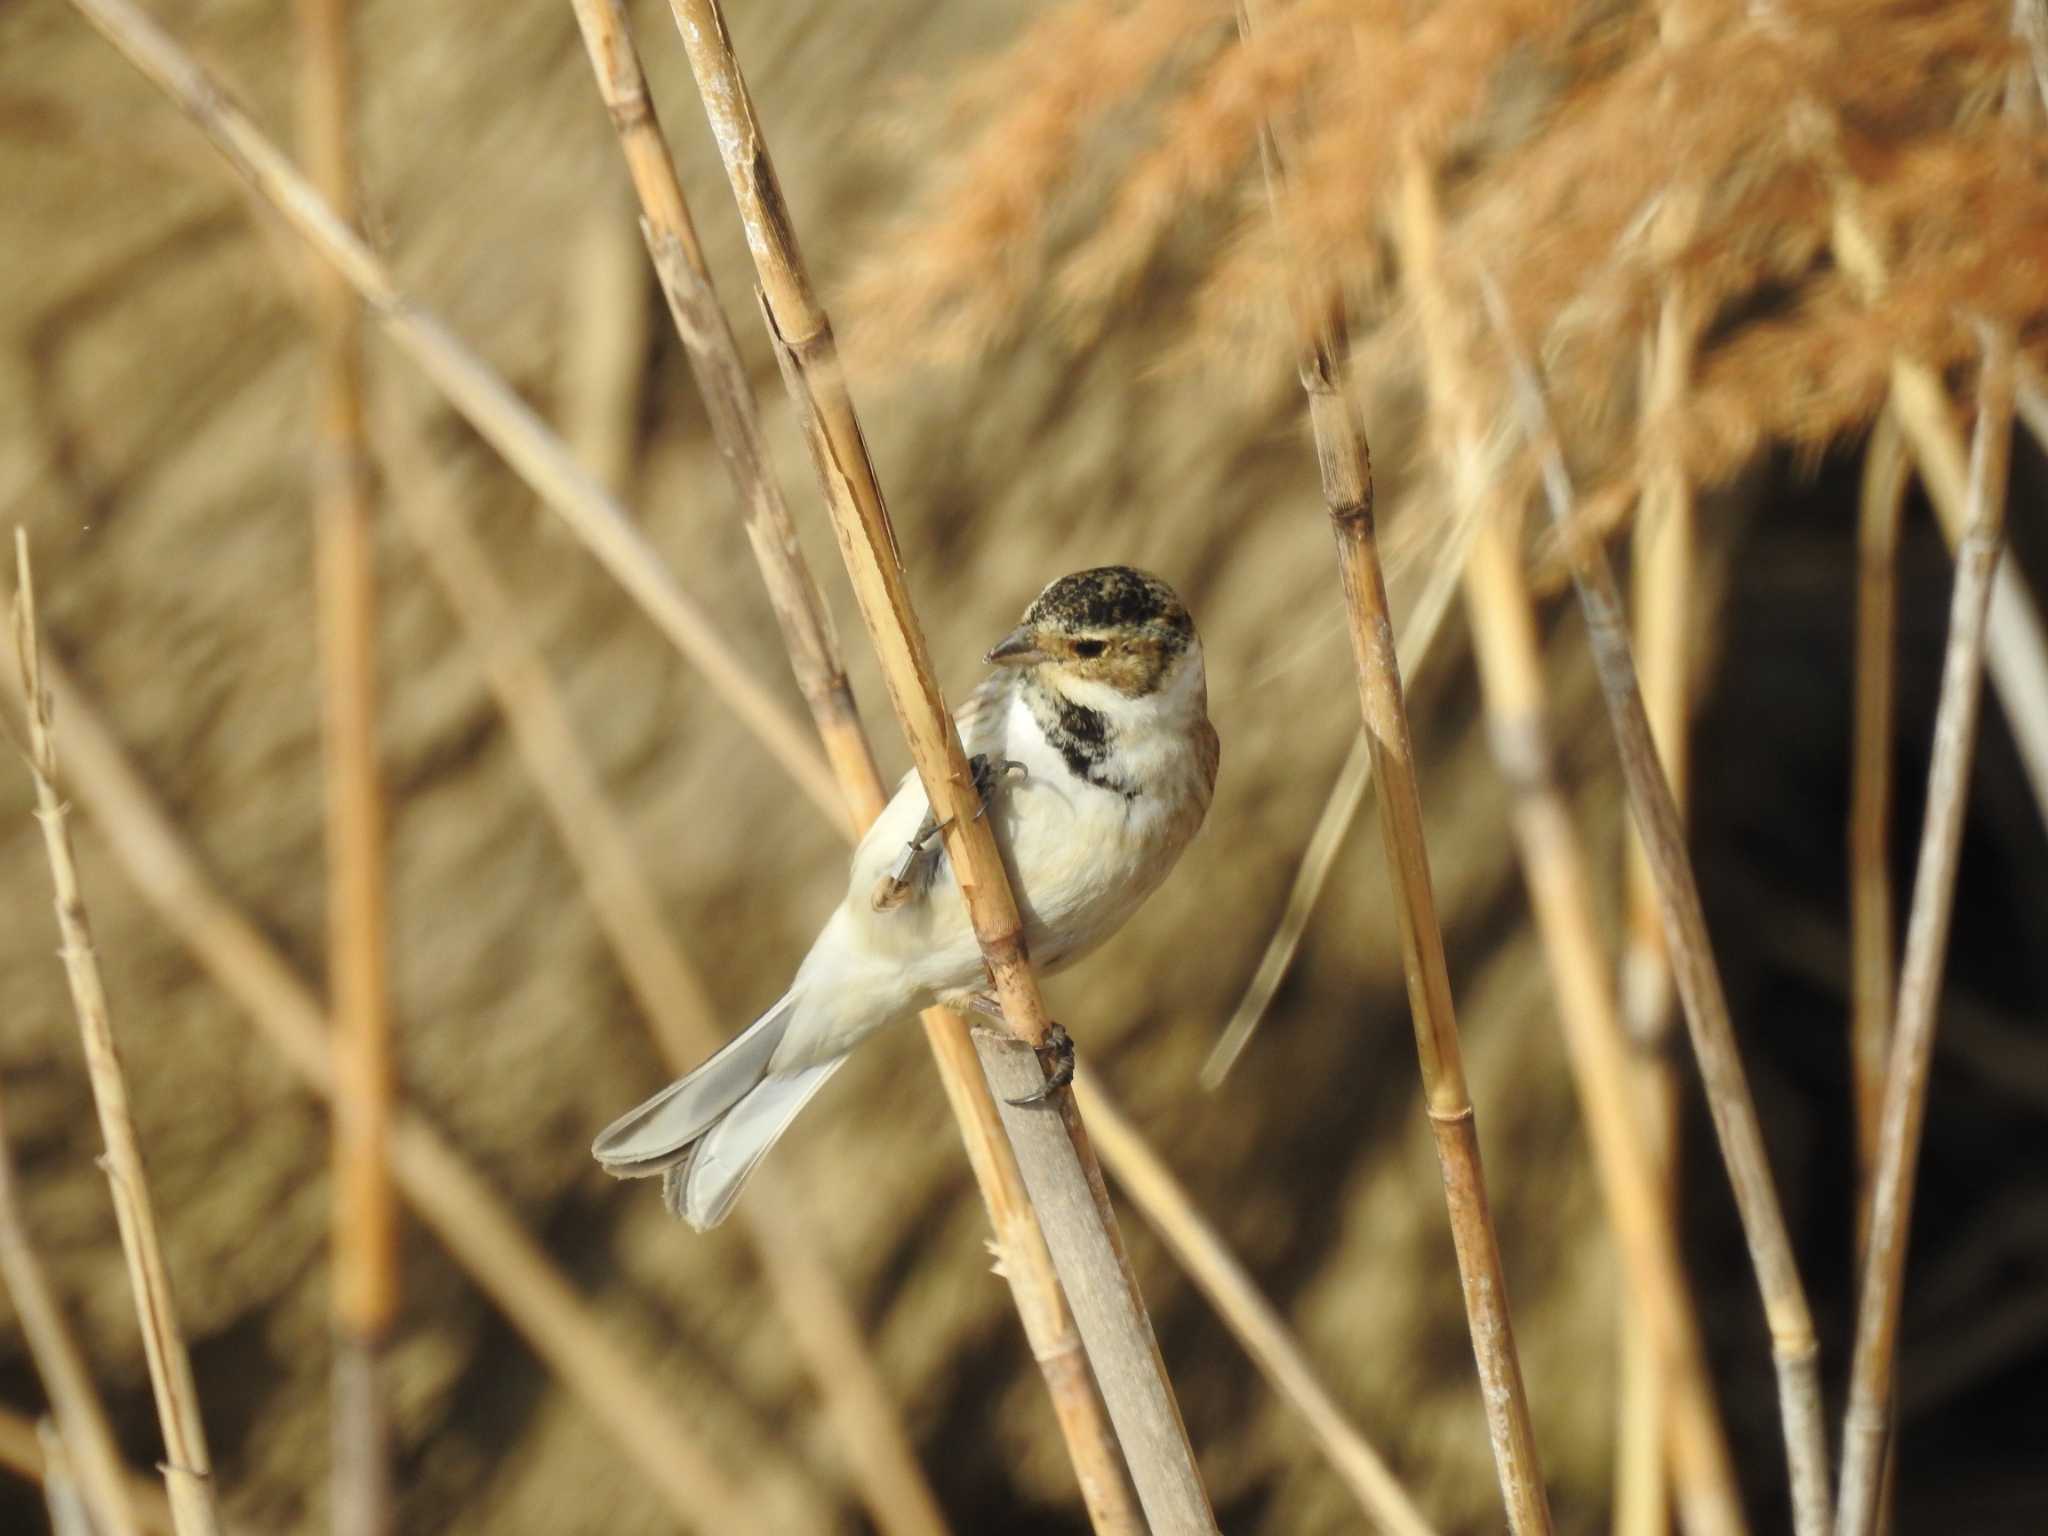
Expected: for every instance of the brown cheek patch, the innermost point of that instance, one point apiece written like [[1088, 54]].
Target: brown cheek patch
[[1133, 668]]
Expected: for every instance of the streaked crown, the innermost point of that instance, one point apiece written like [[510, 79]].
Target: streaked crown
[[1111, 597]]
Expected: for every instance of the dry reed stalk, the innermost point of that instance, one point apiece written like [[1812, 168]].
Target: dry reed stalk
[[58, 1361], [1049, 1139], [1867, 1420], [713, 353], [1880, 506], [63, 1500], [666, 984], [187, 1470], [1150, 1185], [1319, 857], [1665, 547], [365, 1283], [477, 391], [603, 340], [1794, 1349], [1345, 465], [2016, 638], [24, 1450], [1502, 614], [451, 1198]]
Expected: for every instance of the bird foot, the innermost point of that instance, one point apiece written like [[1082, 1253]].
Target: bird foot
[[1056, 1056]]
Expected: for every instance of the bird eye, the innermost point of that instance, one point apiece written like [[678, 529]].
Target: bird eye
[[1086, 649]]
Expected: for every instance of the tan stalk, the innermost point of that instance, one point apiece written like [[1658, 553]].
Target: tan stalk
[[187, 1470], [1502, 615], [67, 1382], [1885, 477], [1150, 1185], [482, 396], [713, 354], [449, 1196], [1794, 1349], [1867, 1420], [24, 1451], [1345, 464], [1665, 545], [668, 987], [63, 1500], [1051, 1144], [2016, 639], [1415, 640], [365, 1221]]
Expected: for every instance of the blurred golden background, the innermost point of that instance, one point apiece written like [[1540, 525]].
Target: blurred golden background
[[1038, 397]]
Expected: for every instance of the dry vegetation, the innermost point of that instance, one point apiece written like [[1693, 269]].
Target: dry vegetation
[[1723, 242]]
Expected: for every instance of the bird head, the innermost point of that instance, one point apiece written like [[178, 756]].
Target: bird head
[[1111, 628]]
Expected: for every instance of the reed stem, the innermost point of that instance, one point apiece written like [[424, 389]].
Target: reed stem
[[1867, 1421], [187, 1469], [1794, 1349]]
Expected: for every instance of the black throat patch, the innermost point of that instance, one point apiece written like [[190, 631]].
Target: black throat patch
[[1082, 736]]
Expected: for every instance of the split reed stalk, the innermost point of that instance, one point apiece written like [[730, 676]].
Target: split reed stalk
[[1150, 1185], [24, 1451], [1665, 550], [1502, 615], [365, 1244], [1867, 1420], [1049, 1139], [1340, 809], [187, 1469], [67, 1383], [713, 353], [1880, 506], [1345, 466], [451, 1198], [477, 391], [668, 987], [1794, 1349]]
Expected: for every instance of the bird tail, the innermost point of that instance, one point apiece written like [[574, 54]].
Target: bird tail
[[701, 1185], [654, 1136]]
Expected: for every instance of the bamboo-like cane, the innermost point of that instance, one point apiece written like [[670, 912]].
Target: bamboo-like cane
[[1345, 465], [1414, 642], [482, 396], [1867, 1420], [1555, 868], [1665, 539], [67, 1382], [23, 1451], [187, 1470], [1794, 1349], [364, 1301], [1880, 505], [449, 1196], [813, 648], [667, 986], [1151, 1186], [1050, 1142]]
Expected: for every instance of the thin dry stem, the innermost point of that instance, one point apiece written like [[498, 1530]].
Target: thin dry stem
[[454, 1201], [1415, 641], [365, 1220], [58, 1361], [1882, 500], [668, 987], [1665, 543], [187, 1470], [1867, 1420], [1345, 465], [1793, 1345], [483, 397], [708, 342], [1150, 1185], [23, 1450], [1049, 1140], [603, 344]]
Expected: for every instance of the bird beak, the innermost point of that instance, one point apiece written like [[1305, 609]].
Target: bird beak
[[1018, 649]]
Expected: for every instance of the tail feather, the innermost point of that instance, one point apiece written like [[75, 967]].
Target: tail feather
[[659, 1133], [702, 1187]]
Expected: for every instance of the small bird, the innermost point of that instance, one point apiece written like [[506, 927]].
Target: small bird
[[1092, 745]]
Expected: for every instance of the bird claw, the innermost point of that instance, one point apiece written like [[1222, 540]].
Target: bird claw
[[1056, 1056], [919, 860]]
